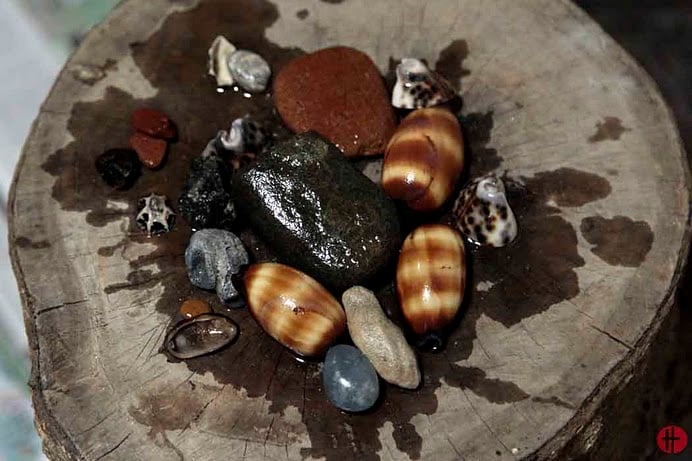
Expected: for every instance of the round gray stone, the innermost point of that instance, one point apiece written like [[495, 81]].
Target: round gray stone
[[350, 380]]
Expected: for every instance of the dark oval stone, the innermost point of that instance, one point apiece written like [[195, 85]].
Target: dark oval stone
[[119, 168], [350, 380], [200, 335], [319, 213]]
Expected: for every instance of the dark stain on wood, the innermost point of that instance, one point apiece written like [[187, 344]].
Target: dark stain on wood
[[567, 187], [609, 129], [302, 14], [480, 158], [619, 241], [169, 408], [557, 401], [333, 2], [450, 62], [529, 276], [495, 390], [537, 270], [26, 242]]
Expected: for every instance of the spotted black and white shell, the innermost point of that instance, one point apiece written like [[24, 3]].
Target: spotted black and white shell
[[417, 86], [245, 135], [154, 215], [483, 215], [219, 53]]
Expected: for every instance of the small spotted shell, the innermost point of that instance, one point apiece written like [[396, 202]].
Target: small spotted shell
[[244, 136], [424, 159], [431, 277], [293, 308], [417, 86], [483, 214]]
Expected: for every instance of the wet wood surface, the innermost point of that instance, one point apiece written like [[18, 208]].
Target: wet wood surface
[[554, 326]]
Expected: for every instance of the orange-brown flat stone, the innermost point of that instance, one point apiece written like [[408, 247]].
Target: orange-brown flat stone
[[339, 93], [194, 307], [151, 151], [154, 123]]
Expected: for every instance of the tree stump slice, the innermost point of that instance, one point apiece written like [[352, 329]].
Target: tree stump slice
[[555, 323]]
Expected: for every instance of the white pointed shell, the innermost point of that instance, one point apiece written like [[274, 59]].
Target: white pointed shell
[[379, 339], [483, 214], [417, 86], [219, 53]]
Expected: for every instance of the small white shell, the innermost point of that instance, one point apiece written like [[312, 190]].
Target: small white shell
[[417, 86], [483, 214], [154, 215], [249, 70], [219, 53], [244, 135]]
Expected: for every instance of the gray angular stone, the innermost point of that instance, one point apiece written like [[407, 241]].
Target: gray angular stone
[[350, 380], [249, 70], [213, 257]]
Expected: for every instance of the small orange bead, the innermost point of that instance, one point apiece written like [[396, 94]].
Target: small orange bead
[[194, 307]]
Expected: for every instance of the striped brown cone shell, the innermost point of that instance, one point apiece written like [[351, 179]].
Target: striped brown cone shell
[[431, 277], [293, 308], [424, 159]]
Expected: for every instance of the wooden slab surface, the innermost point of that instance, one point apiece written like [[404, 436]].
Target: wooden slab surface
[[554, 324]]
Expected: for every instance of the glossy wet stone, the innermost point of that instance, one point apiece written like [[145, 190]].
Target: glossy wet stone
[[119, 168], [213, 257], [151, 151], [194, 308], [153, 123], [339, 93], [350, 380], [200, 335], [205, 200], [319, 213]]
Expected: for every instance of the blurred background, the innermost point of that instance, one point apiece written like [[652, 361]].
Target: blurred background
[[36, 36]]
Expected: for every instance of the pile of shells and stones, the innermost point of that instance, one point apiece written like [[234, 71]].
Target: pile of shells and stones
[[334, 230]]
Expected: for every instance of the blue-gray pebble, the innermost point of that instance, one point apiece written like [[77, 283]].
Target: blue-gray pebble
[[213, 257], [350, 380]]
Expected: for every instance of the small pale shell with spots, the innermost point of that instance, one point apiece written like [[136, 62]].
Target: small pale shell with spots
[[417, 86], [245, 135], [154, 215], [483, 214]]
